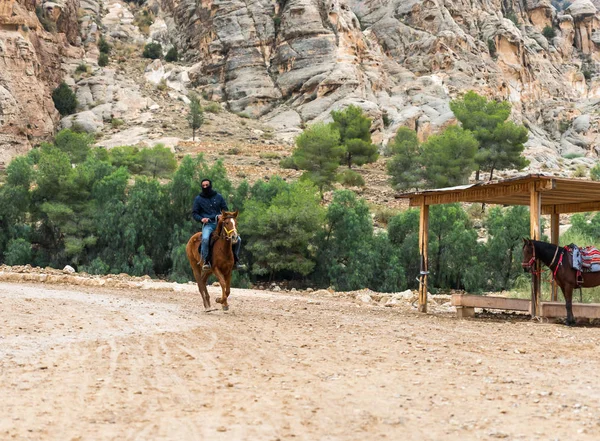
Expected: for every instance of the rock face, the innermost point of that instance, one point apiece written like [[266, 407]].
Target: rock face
[[30, 67], [293, 61]]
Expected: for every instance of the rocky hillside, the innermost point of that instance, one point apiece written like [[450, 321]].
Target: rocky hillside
[[287, 63]]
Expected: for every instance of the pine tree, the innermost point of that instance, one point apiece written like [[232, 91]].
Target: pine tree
[[196, 114], [355, 135]]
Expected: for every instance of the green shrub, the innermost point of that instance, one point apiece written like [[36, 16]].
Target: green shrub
[[103, 46], [587, 74], [572, 155], [513, 17], [64, 99], [350, 178], [595, 173], [549, 32], [382, 215], [580, 171], [82, 68], [102, 59], [96, 267], [116, 123], [213, 107], [18, 252], [288, 163], [172, 55], [492, 47], [152, 51]]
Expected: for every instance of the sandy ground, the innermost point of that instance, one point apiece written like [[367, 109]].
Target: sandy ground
[[101, 364]]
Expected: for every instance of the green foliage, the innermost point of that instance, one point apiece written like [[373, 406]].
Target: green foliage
[[81, 68], [152, 51], [213, 107], [288, 162], [449, 158], [318, 152], [549, 32], [350, 256], [103, 46], [280, 227], [595, 173], [18, 252], [75, 145], [355, 136], [512, 16], [503, 256], [573, 156], [172, 55], [350, 178], [580, 171], [587, 74], [492, 47], [405, 168], [195, 116], [158, 161], [97, 266], [103, 60], [64, 99], [501, 143], [385, 118]]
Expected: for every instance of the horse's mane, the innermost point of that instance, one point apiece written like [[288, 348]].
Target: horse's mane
[[545, 250]]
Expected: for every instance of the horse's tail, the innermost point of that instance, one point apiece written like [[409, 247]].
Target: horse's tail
[[191, 248]]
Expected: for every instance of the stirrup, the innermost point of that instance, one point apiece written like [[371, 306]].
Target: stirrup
[[237, 266], [206, 266]]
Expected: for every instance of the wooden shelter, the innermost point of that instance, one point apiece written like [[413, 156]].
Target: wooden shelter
[[544, 194]]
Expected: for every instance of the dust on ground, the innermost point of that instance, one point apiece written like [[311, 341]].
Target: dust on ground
[[97, 363]]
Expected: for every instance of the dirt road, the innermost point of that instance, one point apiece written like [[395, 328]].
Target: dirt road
[[101, 364]]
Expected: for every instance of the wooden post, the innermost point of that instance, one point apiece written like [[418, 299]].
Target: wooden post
[[554, 237], [535, 210], [423, 240]]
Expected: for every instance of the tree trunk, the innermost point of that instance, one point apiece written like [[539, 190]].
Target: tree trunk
[[477, 176], [194, 134]]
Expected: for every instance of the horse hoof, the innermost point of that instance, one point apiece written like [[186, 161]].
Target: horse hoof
[[225, 307], [218, 300]]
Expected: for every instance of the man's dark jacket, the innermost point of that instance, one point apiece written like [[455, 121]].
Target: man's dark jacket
[[208, 206]]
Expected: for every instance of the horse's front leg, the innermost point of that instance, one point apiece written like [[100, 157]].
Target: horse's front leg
[[224, 289], [568, 293]]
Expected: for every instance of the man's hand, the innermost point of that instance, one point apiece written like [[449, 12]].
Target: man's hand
[[205, 220]]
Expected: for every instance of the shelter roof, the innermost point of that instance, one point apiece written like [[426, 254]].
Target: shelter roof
[[558, 195]]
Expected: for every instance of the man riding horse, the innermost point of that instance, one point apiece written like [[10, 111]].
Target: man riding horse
[[207, 208]]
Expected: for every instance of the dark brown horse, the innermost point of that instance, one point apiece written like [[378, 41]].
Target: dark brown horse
[[559, 261], [222, 241]]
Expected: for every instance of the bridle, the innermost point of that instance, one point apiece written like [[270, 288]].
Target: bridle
[[229, 234], [529, 265]]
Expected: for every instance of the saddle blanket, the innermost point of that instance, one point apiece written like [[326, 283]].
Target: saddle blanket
[[585, 259]]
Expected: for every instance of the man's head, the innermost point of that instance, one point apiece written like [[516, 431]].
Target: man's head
[[206, 186]]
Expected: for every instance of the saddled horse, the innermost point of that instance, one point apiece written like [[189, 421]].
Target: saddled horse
[[222, 241], [559, 261]]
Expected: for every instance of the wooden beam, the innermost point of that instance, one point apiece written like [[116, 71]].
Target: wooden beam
[[571, 208], [490, 302], [554, 238], [424, 265], [580, 310], [535, 206]]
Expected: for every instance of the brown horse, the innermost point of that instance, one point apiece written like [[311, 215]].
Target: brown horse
[[559, 261], [222, 241]]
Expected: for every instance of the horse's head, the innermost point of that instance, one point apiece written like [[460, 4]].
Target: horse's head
[[229, 226], [528, 263]]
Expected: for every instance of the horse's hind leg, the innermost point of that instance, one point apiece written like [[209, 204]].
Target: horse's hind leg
[[568, 293]]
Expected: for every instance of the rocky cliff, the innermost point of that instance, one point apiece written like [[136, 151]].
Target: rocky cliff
[[291, 62], [30, 67]]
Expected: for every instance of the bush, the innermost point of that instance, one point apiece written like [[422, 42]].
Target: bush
[[492, 47], [587, 74], [116, 123], [595, 173], [580, 171], [64, 99], [82, 68], [350, 178], [572, 155], [549, 32], [103, 46], [96, 267], [102, 60], [213, 107], [288, 163], [152, 51], [172, 55], [18, 252]]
